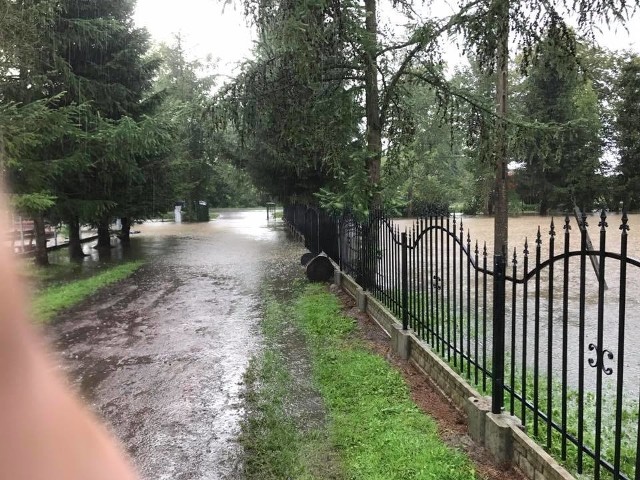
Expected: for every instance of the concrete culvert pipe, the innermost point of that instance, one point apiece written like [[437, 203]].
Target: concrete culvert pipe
[[320, 269], [306, 258]]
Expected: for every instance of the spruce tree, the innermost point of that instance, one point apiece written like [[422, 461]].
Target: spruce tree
[[562, 155], [33, 121], [102, 59], [186, 85], [627, 132]]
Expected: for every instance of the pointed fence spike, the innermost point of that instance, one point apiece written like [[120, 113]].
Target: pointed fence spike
[[552, 229], [624, 225], [526, 246], [603, 221], [584, 218], [538, 236], [567, 223]]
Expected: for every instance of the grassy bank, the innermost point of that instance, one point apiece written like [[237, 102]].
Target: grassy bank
[[277, 439], [373, 430], [52, 300], [379, 429]]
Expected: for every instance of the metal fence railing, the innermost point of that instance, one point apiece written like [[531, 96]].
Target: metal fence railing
[[542, 331]]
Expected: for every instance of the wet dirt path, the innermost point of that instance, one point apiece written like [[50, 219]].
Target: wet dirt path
[[161, 356]]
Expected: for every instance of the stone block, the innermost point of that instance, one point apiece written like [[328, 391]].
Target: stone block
[[401, 342], [477, 410], [361, 299], [526, 468], [498, 439]]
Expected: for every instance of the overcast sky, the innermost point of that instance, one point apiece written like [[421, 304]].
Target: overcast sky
[[208, 27], [205, 25]]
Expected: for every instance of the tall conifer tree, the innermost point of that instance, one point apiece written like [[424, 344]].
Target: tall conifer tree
[[563, 159], [101, 58], [628, 131]]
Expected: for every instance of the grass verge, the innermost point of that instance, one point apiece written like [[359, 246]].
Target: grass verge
[[279, 442], [50, 301], [372, 428], [378, 428]]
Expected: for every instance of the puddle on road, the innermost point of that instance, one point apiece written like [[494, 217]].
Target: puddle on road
[[162, 356]]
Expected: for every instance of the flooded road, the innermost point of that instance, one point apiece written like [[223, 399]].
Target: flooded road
[[161, 356]]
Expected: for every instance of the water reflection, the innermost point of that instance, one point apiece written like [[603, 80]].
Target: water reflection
[[152, 239]]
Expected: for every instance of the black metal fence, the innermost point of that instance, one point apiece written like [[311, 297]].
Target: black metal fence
[[542, 332]]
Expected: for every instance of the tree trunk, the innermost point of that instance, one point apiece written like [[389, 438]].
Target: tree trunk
[[489, 205], [125, 231], [501, 221], [374, 124], [543, 207], [41, 258], [374, 143], [104, 236], [75, 246], [188, 209]]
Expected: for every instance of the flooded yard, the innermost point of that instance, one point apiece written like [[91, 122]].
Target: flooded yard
[[625, 354]]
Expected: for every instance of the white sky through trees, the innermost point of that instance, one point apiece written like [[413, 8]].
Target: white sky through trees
[[210, 27], [206, 27]]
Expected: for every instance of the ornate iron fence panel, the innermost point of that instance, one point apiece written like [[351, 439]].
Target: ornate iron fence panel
[[449, 286], [572, 367], [545, 333]]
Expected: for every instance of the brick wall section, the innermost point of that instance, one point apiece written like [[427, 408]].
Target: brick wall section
[[528, 456], [381, 315], [533, 461], [449, 381]]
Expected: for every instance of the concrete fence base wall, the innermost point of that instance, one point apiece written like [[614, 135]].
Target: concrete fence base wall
[[501, 435]]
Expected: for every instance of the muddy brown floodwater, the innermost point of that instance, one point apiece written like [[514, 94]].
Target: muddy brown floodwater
[[525, 228], [161, 356]]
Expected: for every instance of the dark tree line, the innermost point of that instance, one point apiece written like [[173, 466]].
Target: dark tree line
[[337, 107], [541, 106], [96, 124]]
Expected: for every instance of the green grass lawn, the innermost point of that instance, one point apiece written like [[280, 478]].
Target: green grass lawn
[[50, 301], [381, 432], [373, 429]]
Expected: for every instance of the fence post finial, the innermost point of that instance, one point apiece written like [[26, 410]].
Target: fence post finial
[[603, 221], [624, 226]]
